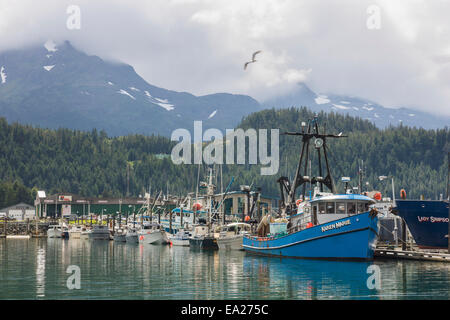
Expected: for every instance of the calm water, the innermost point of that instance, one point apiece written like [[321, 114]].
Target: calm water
[[36, 269]]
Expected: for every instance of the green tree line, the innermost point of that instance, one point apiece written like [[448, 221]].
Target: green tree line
[[93, 164]]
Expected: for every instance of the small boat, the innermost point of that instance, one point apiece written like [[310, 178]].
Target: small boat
[[54, 231], [181, 238], [201, 239], [427, 220], [152, 233], [75, 233], [132, 236], [84, 234], [99, 232], [231, 236]]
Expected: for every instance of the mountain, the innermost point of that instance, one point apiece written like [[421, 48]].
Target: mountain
[[55, 86], [59, 86], [381, 116]]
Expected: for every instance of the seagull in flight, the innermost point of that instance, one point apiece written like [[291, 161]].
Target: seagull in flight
[[253, 59]]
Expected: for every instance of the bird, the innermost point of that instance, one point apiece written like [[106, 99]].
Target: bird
[[253, 59]]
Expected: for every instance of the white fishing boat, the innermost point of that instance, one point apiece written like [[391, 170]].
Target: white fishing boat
[[231, 236], [75, 232], [181, 238], [54, 231], [152, 233], [99, 233]]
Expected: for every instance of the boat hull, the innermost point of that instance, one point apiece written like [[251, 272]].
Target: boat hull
[[99, 236], [134, 238], [120, 238], [203, 243], [350, 238], [230, 243], [155, 237], [180, 242], [427, 221], [51, 233]]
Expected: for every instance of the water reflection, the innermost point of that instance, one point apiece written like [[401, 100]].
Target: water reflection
[[36, 268]]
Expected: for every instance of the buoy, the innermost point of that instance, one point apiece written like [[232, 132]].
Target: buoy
[[377, 196], [247, 218], [309, 225], [197, 206], [298, 202], [403, 194]]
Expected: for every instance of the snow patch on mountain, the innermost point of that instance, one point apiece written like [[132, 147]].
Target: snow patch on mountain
[[368, 108], [345, 102], [134, 89], [411, 115], [48, 68], [126, 94], [340, 107], [110, 83], [148, 94], [50, 46], [3, 74], [166, 106], [321, 99]]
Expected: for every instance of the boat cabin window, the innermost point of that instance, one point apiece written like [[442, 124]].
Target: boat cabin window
[[351, 207], [340, 208], [315, 209], [330, 207], [322, 207], [363, 207], [232, 229]]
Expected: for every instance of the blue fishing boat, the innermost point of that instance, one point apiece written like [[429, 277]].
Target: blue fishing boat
[[327, 227], [427, 220], [324, 225]]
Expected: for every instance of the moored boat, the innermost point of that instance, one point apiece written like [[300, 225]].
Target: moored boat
[[152, 233], [330, 227], [324, 225], [427, 220], [181, 238], [231, 236], [54, 231], [99, 232], [201, 239]]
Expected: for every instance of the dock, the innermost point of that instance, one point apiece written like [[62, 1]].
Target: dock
[[420, 255]]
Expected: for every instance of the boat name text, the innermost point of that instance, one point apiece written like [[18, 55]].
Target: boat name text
[[336, 225]]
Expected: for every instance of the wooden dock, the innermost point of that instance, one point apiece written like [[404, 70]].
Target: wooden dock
[[412, 255]]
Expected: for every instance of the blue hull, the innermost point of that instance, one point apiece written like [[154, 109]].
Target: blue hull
[[353, 237], [427, 221]]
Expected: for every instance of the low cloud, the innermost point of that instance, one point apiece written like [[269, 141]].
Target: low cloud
[[201, 46]]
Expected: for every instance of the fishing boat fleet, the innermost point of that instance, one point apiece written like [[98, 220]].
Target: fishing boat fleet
[[313, 221]]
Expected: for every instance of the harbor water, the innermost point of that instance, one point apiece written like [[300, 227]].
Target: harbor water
[[37, 269]]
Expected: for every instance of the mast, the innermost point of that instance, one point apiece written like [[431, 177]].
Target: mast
[[288, 189]]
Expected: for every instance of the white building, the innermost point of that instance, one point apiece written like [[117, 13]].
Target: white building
[[19, 212]]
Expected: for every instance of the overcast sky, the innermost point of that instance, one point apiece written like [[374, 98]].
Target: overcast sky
[[200, 46]]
